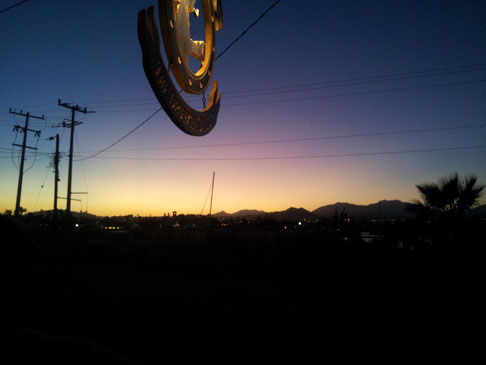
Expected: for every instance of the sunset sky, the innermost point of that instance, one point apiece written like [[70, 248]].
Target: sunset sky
[[324, 85]]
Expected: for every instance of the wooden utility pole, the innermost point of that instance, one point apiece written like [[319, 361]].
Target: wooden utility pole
[[23, 130], [74, 109], [56, 174], [56, 180]]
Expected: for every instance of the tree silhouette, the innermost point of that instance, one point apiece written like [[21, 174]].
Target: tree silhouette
[[442, 211], [451, 197]]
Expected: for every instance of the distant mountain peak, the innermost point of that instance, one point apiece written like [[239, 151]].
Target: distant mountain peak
[[241, 213], [293, 209], [382, 209]]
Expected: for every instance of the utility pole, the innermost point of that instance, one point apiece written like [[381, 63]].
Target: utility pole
[[212, 188], [24, 130], [74, 109], [56, 180], [56, 174]]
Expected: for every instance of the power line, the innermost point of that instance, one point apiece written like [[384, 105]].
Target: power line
[[247, 29], [122, 138], [294, 90], [344, 136], [6, 150], [301, 87], [305, 139], [27, 155], [425, 150], [406, 75], [419, 73], [13, 6], [40, 190], [371, 92]]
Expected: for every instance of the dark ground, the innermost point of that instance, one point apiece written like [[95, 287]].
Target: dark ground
[[203, 304]]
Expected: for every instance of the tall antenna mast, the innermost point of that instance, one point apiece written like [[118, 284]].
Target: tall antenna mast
[[212, 189]]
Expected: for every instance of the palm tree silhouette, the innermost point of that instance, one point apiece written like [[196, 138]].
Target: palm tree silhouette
[[451, 197]]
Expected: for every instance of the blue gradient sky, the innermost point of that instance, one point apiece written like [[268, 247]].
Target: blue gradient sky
[[88, 53]]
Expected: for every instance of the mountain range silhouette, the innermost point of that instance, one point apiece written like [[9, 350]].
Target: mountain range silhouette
[[384, 209]]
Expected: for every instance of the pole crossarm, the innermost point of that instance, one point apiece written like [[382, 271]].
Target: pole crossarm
[[22, 114], [23, 129], [74, 107], [69, 125], [61, 197], [19, 145]]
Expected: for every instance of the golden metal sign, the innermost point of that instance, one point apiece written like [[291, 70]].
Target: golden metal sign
[[174, 16]]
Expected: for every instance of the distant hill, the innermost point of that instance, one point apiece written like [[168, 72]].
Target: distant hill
[[240, 214], [45, 213], [383, 209], [292, 214], [222, 214]]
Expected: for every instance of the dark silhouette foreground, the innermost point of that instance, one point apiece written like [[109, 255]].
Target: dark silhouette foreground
[[202, 303]]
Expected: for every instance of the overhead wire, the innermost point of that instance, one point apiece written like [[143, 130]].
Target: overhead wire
[[291, 140], [13, 6], [247, 29], [122, 138], [13, 150], [330, 84], [297, 157], [40, 190], [383, 77], [35, 155], [342, 136], [360, 83], [318, 97], [369, 92]]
